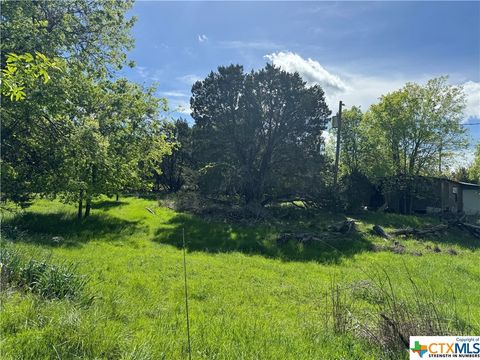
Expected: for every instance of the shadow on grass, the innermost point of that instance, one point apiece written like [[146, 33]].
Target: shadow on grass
[[397, 220], [107, 204], [41, 228], [256, 240]]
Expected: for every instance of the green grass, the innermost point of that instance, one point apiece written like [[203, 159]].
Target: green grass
[[249, 298]]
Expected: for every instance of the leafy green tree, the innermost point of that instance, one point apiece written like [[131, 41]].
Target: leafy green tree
[[474, 170], [115, 138], [462, 174], [417, 125], [95, 35], [177, 168], [81, 133], [353, 141], [258, 133], [89, 37], [411, 130]]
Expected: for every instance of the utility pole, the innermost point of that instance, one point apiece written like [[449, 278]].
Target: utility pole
[[440, 158], [337, 150]]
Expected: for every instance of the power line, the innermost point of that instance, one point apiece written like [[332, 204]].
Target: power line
[[471, 124]]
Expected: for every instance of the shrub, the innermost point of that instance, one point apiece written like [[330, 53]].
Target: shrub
[[356, 191]]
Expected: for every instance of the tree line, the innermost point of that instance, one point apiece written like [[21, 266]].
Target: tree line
[[260, 137], [73, 128]]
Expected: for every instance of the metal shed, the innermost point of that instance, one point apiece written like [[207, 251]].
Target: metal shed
[[471, 198]]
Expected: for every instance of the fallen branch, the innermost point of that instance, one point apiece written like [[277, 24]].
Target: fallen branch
[[419, 232], [377, 229], [474, 230], [343, 227]]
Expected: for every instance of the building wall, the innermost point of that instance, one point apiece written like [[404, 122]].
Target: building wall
[[438, 195], [434, 195], [471, 201], [451, 196]]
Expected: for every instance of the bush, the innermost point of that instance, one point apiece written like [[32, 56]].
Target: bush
[[356, 190]]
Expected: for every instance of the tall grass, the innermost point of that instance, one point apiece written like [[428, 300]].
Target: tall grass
[[249, 297], [40, 277], [393, 315]]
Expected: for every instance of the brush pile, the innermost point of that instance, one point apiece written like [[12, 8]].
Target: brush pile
[[459, 223]]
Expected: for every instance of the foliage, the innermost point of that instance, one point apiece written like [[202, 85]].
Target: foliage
[[416, 126], [463, 174], [253, 128], [93, 35], [411, 131], [354, 142], [474, 170], [116, 139], [81, 133], [22, 70], [356, 190], [177, 168]]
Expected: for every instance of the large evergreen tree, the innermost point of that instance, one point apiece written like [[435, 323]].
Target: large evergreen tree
[[258, 134]]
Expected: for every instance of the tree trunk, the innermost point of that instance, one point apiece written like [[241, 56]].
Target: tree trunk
[[88, 205], [80, 205], [117, 197], [88, 200]]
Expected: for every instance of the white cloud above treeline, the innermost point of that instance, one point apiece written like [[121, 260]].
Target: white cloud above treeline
[[353, 90], [189, 79], [365, 90], [174, 93], [357, 89], [311, 70]]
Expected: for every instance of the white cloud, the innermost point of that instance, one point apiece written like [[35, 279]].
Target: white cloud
[[310, 70], [472, 92], [189, 79], [202, 38], [357, 89], [364, 90], [174, 94], [352, 89], [149, 74]]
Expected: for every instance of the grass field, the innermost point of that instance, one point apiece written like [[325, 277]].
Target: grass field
[[249, 298]]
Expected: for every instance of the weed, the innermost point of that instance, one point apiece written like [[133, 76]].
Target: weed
[[394, 317]]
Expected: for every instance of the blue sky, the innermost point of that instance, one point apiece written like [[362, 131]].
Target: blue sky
[[356, 50]]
